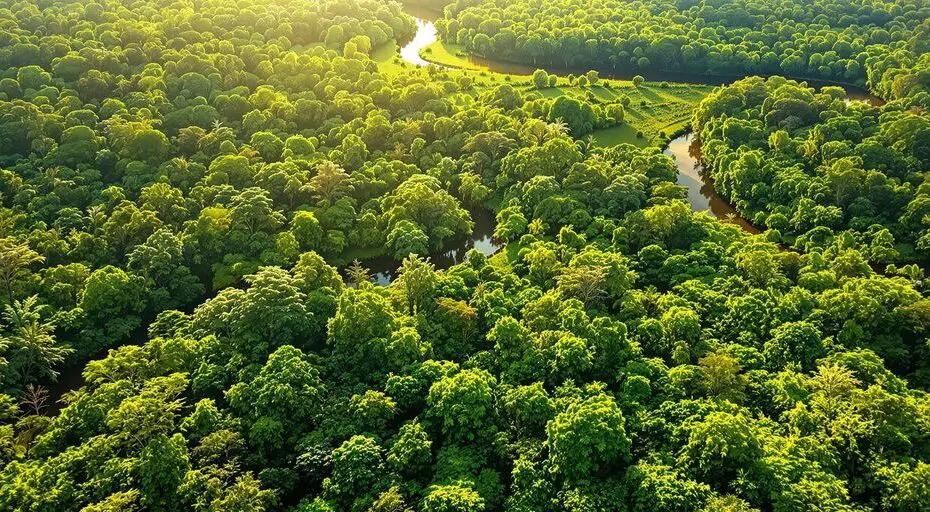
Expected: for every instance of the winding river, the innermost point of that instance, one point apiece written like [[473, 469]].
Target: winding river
[[684, 149]]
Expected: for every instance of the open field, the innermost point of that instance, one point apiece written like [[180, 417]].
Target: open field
[[655, 110]]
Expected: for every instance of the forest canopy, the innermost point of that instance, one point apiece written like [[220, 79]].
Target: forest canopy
[[190, 191], [821, 39]]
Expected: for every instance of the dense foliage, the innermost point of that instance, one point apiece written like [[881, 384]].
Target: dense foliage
[[811, 165], [184, 185], [825, 39], [157, 153]]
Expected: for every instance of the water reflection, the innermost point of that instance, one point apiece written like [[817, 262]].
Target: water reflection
[[425, 35], [686, 151], [482, 239]]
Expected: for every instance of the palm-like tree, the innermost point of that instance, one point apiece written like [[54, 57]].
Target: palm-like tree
[[537, 227], [558, 127], [15, 257], [330, 183], [96, 217], [34, 352], [358, 273]]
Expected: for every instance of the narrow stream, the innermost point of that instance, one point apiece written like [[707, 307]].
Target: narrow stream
[[481, 238], [425, 35], [686, 151]]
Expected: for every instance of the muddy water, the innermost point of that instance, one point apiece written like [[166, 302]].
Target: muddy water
[[686, 151]]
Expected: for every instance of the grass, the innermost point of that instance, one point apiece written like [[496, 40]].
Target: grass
[[623, 134], [449, 55], [655, 111]]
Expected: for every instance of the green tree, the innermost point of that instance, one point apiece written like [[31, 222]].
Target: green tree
[[29, 346], [462, 405], [588, 436], [721, 446], [417, 281], [540, 79], [453, 498], [15, 259]]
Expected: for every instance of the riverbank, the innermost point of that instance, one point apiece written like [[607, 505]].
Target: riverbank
[[383, 267], [650, 120]]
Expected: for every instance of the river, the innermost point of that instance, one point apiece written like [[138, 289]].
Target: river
[[684, 149], [481, 238], [427, 34]]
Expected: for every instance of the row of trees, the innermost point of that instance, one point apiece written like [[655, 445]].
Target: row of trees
[[825, 39]]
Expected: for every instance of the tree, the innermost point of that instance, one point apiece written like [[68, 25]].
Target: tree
[[722, 377], [113, 301], [540, 79], [358, 273], [462, 405], [390, 500], [307, 230], [588, 436], [268, 145], [577, 115], [281, 401], [271, 313], [162, 468], [593, 77], [29, 346], [721, 446], [251, 211], [15, 258], [407, 239], [659, 487], [453, 498], [372, 410], [361, 329], [529, 408], [585, 283], [417, 281], [160, 261], [411, 452], [910, 488], [245, 495], [357, 470], [330, 182], [794, 342]]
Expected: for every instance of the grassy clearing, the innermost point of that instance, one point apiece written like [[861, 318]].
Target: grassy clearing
[[655, 110], [449, 55], [622, 134]]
